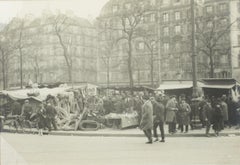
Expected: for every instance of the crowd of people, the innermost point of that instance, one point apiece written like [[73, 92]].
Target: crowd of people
[[180, 113], [154, 110]]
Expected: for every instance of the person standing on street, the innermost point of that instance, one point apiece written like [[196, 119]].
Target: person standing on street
[[184, 115], [41, 119], [26, 110], [224, 110], [207, 113], [158, 117], [51, 113], [171, 109], [146, 123], [238, 113], [217, 117]]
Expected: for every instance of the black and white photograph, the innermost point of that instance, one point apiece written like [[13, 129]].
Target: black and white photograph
[[120, 82]]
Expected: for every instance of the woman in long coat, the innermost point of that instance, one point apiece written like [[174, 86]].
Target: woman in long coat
[[146, 123], [184, 115]]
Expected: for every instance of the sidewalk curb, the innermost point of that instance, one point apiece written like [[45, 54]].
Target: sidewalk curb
[[92, 134]]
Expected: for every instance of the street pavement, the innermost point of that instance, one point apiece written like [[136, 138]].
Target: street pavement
[[133, 132], [60, 150]]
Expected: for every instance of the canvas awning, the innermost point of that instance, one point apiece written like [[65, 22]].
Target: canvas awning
[[215, 83], [171, 85], [218, 86]]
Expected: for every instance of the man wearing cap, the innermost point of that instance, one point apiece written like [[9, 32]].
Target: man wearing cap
[[146, 123], [171, 109]]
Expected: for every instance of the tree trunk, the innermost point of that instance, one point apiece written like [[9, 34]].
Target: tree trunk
[[211, 65], [3, 74], [108, 70], [152, 67], [67, 57], [130, 64]]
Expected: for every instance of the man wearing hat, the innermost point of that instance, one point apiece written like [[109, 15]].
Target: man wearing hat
[[146, 123]]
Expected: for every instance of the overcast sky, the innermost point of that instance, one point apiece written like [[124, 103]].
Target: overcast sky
[[83, 8]]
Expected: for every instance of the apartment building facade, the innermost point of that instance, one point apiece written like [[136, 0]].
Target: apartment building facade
[[43, 58], [216, 21]]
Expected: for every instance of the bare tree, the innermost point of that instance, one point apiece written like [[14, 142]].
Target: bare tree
[[107, 47], [151, 44], [61, 24], [212, 40], [6, 50], [131, 18]]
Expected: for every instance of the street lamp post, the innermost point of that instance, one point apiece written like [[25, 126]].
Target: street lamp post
[[194, 58]]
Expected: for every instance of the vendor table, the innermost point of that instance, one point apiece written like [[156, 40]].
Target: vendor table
[[121, 121]]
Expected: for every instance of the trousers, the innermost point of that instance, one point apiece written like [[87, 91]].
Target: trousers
[[148, 134], [161, 127]]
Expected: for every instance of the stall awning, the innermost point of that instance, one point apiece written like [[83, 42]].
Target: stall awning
[[174, 86], [218, 86], [219, 83], [171, 85]]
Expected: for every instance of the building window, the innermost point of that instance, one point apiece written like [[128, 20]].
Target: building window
[[177, 1], [223, 7], [177, 15], [223, 22], [238, 60], [165, 31], [209, 9], [165, 17], [238, 39], [209, 24], [177, 46], [165, 2], [127, 6], [177, 29], [152, 17], [152, 2], [115, 8], [238, 7], [140, 46], [166, 47]]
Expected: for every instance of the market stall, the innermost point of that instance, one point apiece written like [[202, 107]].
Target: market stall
[[121, 121], [218, 87], [179, 87]]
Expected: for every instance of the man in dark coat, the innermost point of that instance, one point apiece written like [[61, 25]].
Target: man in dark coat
[[158, 117], [207, 113], [217, 117], [51, 113], [146, 123]]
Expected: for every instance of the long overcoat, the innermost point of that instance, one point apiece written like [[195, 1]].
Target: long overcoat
[[184, 114], [207, 113], [224, 110], [158, 112], [171, 112], [147, 116]]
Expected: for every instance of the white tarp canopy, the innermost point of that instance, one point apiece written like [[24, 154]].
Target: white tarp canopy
[[171, 85], [43, 93]]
